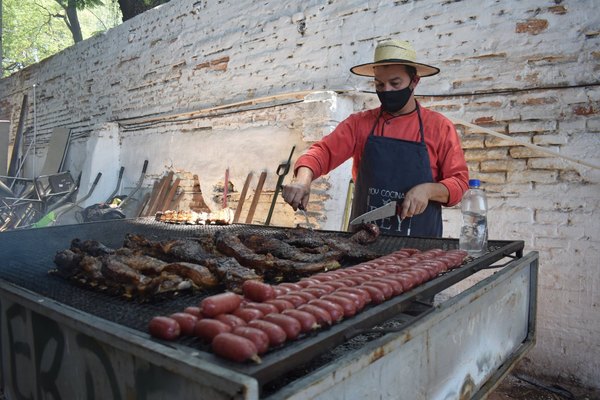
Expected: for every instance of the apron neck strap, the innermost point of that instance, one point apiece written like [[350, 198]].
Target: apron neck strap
[[421, 131]]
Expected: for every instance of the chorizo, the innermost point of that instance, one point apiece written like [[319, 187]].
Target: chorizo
[[280, 304], [295, 300], [290, 285], [164, 328], [258, 291], [375, 293], [335, 310], [220, 304], [194, 311], [235, 348], [265, 308], [321, 315], [358, 301], [308, 322], [348, 306], [248, 314], [231, 320], [385, 288], [305, 295], [207, 328], [187, 322], [258, 337], [358, 292], [276, 334], [396, 286], [290, 325]]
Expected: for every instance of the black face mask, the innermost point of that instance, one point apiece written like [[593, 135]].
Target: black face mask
[[392, 101]]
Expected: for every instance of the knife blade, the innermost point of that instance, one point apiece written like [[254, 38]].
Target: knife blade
[[390, 209]]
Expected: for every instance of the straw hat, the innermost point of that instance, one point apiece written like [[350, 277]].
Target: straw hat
[[394, 52]]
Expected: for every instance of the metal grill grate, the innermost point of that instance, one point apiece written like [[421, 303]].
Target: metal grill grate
[[27, 256]]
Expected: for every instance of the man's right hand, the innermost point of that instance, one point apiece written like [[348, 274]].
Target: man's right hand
[[297, 193]]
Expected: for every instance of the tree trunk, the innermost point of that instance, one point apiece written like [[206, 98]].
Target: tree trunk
[[73, 21], [131, 8]]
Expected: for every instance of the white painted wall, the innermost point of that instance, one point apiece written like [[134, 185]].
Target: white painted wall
[[525, 68]]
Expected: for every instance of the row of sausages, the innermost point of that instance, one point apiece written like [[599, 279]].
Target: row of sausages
[[242, 327]]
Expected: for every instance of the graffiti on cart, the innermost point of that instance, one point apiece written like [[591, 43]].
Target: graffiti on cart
[[43, 359]]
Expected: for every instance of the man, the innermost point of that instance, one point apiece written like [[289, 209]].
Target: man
[[401, 151]]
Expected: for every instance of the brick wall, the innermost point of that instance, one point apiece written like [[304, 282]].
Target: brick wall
[[528, 69]]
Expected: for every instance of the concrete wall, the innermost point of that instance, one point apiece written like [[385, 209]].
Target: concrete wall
[[529, 69]]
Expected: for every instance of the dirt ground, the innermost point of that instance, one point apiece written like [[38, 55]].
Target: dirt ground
[[522, 387]]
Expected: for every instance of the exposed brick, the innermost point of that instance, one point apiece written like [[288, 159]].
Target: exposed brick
[[472, 142], [532, 176], [493, 141], [526, 152], [554, 163], [550, 139], [559, 9], [489, 178], [486, 154], [532, 26], [584, 110], [532, 126], [503, 165]]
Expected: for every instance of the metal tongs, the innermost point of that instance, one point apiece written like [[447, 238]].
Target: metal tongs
[[303, 211]]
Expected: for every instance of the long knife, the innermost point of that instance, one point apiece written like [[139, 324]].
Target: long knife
[[390, 209]]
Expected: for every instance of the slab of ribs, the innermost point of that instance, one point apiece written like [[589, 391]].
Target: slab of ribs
[[143, 268]]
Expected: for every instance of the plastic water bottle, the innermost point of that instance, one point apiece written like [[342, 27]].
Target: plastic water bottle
[[474, 233]]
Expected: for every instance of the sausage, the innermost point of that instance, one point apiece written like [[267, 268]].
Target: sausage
[[248, 314], [194, 311], [294, 299], [306, 282], [322, 316], [336, 284], [308, 322], [375, 293], [348, 306], [317, 292], [208, 328], [276, 334], [280, 290], [290, 285], [220, 304], [258, 337], [385, 288], [280, 304], [397, 287], [335, 310], [325, 286], [231, 320], [356, 279], [430, 269], [356, 291], [347, 282], [187, 322], [235, 348], [358, 301], [258, 291], [164, 328], [421, 273], [323, 277], [265, 308], [290, 325], [305, 295]]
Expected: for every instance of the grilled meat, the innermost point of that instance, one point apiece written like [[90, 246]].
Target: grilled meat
[[199, 275]]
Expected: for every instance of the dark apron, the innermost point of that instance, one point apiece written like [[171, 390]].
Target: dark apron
[[388, 169]]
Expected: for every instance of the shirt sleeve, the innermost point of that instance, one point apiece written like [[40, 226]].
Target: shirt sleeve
[[453, 171], [330, 152]]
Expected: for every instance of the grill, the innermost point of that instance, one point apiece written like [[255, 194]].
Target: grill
[[28, 256]]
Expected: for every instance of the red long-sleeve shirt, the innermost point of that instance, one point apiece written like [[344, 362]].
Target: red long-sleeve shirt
[[348, 139]]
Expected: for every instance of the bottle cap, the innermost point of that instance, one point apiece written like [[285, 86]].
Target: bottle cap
[[474, 183]]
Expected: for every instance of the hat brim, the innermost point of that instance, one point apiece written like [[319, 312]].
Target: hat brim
[[423, 70]]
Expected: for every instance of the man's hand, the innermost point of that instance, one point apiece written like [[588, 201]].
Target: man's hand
[[417, 198], [297, 193]]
